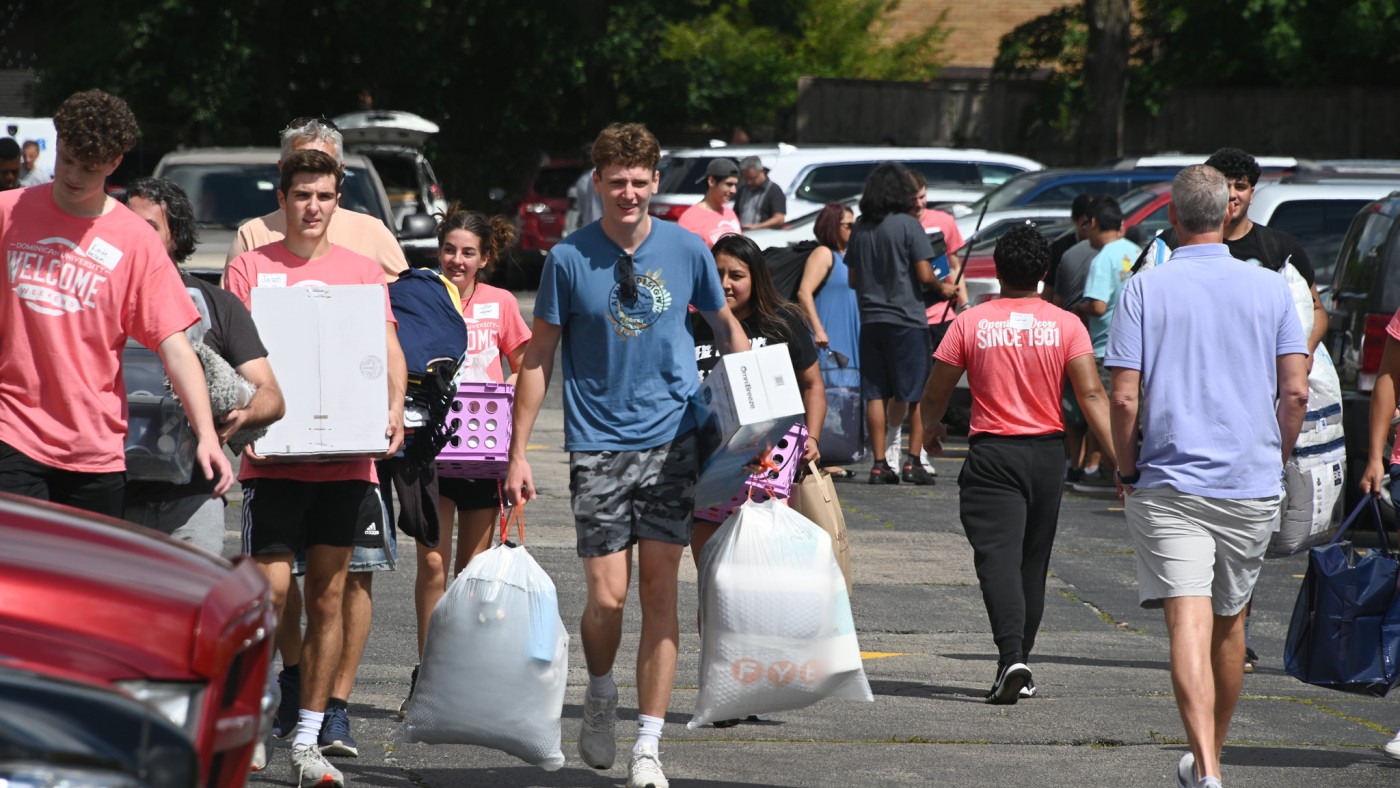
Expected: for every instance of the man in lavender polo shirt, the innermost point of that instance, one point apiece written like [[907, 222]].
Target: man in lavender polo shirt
[[1214, 343]]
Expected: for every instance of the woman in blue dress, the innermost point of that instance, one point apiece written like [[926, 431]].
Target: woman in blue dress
[[827, 299]]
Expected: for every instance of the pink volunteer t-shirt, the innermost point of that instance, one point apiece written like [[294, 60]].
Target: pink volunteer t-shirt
[[493, 320], [1393, 329], [273, 266], [1015, 351], [75, 289], [938, 220], [707, 224]]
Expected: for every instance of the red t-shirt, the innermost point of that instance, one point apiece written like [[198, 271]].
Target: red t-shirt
[[75, 289], [1015, 351], [273, 266], [494, 327]]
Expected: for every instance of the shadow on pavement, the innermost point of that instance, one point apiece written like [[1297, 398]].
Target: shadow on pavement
[[1304, 757], [1055, 659], [911, 689]]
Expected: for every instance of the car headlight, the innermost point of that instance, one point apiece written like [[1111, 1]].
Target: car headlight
[[42, 775], [176, 701]]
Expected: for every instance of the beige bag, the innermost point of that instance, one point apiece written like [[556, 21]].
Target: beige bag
[[814, 497]]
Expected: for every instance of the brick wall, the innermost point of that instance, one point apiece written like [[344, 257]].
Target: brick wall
[[977, 26]]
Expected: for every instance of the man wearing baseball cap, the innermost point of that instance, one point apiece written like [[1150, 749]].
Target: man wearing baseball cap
[[761, 203], [712, 217]]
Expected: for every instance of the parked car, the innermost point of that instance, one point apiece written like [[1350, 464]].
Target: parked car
[[229, 186], [811, 177], [1365, 295], [55, 731], [395, 142], [1317, 210], [1056, 188], [186, 633], [1272, 166]]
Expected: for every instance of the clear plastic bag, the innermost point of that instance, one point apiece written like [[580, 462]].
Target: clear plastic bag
[[776, 631], [496, 662]]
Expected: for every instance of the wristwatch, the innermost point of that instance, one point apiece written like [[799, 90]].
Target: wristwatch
[[1128, 480]]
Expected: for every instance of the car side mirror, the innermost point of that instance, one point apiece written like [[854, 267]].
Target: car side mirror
[[416, 226]]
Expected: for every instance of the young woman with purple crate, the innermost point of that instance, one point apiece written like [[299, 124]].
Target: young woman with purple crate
[[767, 318], [469, 243]]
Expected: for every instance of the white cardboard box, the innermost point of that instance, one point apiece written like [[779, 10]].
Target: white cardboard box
[[748, 402], [327, 347]]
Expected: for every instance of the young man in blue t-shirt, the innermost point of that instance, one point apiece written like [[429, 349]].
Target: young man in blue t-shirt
[[616, 292], [1110, 267]]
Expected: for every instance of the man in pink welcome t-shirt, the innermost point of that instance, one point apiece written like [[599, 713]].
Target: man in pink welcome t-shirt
[[319, 507], [84, 273], [712, 217]]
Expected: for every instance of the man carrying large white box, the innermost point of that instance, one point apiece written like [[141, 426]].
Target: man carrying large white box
[[319, 507]]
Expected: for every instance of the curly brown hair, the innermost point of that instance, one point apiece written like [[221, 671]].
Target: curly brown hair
[[495, 233], [95, 126], [628, 144]]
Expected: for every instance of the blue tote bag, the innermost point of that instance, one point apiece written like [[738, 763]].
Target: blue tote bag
[[1345, 632]]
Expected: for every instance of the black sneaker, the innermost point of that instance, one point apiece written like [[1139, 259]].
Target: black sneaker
[[914, 473], [1251, 660], [1073, 475], [882, 473], [412, 685], [288, 708], [1010, 679]]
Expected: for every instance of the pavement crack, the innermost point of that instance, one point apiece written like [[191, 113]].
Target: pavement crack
[[1103, 615]]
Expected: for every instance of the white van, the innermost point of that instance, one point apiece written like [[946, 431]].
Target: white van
[[810, 177]]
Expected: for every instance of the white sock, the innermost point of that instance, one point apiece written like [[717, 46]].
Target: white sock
[[602, 687], [648, 733], [1087, 471], [308, 727]]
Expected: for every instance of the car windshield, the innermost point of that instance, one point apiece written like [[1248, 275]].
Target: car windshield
[[684, 174], [1007, 194], [1132, 201], [1320, 226], [227, 194]]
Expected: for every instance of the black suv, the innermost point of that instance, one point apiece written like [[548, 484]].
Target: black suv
[[1365, 295]]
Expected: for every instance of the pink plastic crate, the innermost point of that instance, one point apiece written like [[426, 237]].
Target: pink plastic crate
[[480, 445], [788, 456]]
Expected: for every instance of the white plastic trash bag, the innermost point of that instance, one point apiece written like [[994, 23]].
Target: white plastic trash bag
[[775, 622], [495, 663]]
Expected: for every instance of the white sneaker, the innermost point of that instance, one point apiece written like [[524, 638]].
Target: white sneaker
[[597, 740], [1392, 749], [312, 768], [925, 461], [1186, 771], [259, 761], [645, 771]]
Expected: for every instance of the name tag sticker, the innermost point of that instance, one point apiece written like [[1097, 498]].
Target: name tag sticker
[[1021, 321], [272, 280], [104, 254], [486, 311]]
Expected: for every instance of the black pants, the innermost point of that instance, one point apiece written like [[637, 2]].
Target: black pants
[[1010, 504], [103, 493]]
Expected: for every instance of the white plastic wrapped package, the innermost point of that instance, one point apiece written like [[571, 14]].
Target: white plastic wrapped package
[[495, 663], [776, 629]]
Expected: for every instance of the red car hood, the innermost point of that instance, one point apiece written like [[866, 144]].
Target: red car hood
[[97, 596]]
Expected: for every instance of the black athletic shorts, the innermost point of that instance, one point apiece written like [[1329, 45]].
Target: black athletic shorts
[[470, 493], [287, 516]]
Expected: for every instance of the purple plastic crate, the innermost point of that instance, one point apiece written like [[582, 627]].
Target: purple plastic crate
[[480, 445], [788, 456]]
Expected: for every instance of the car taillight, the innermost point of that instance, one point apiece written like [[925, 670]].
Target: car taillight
[[671, 213], [1372, 348]]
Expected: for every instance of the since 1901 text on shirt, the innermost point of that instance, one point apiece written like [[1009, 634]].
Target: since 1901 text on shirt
[[1015, 351]]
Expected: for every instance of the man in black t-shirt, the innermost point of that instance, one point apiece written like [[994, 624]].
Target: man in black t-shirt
[[186, 511], [760, 202], [1257, 243]]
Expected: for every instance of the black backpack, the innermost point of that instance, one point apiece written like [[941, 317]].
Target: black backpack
[[434, 340], [786, 263]]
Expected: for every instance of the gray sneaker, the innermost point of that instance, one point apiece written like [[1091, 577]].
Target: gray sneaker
[[312, 768], [597, 740], [1186, 771]]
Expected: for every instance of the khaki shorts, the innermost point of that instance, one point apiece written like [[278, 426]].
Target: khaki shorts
[[1190, 545]]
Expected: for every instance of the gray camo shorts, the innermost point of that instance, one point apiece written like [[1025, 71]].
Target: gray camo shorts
[[620, 497]]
